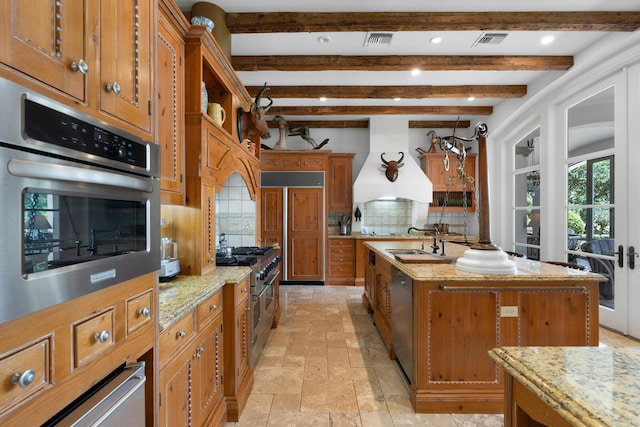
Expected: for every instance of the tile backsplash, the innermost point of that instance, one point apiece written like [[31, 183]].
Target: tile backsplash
[[235, 213]]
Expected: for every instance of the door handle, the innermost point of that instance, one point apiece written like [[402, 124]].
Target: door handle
[[620, 254], [632, 257]]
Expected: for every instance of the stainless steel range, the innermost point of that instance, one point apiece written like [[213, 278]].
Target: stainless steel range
[[264, 264]]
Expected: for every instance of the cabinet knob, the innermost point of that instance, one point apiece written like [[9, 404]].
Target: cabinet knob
[[144, 312], [213, 307], [23, 379], [101, 336], [181, 334], [244, 290], [80, 66], [113, 87]]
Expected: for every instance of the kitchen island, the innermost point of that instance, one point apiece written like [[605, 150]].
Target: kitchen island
[[570, 386], [441, 322]]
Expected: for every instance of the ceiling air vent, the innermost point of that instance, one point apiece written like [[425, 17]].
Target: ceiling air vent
[[490, 38], [378, 39]]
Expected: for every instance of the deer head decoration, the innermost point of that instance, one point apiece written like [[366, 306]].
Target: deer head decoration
[[392, 166], [253, 122]]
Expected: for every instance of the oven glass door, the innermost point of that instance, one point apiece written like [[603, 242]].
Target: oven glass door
[[63, 229]]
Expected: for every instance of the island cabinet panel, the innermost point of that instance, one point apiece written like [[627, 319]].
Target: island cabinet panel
[[456, 324], [465, 320], [382, 305]]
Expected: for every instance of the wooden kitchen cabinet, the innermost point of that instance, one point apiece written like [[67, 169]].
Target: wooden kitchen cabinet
[[170, 133], [237, 343], [58, 345], [341, 263], [94, 56], [382, 302], [444, 181], [294, 160], [191, 368], [339, 182]]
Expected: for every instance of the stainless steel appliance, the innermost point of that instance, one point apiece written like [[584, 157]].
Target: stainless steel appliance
[[169, 263], [81, 203], [402, 320], [264, 272], [118, 401]]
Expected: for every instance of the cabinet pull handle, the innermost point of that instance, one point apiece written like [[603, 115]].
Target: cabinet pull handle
[[80, 66], [113, 87], [181, 334], [144, 312], [101, 336], [24, 379]]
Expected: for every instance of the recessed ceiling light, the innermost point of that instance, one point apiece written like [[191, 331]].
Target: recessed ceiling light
[[436, 40], [324, 39], [547, 40], [471, 98], [323, 98], [396, 99], [415, 72]]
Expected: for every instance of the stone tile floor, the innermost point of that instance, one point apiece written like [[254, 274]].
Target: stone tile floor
[[326, 365]]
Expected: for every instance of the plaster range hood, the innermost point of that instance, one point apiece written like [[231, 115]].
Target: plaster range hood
[[390, 135]]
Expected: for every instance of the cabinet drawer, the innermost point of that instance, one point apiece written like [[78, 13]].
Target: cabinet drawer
[[346, 252], [242, 290], [93, 337], [139, 311], [209, 309], [175, 336], [24, 373], [341, 269]]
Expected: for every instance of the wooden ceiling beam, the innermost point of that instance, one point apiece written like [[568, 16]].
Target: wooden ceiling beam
[[390, 92], [292, 22], [374, 110], [401, 63], [324, 124], [439, 124]]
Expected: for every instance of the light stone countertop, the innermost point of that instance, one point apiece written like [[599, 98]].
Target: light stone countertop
[[183, 293], [526, 269], [412, 236], [588, 386]]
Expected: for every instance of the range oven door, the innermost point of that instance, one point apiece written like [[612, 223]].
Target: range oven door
[[70, 229]]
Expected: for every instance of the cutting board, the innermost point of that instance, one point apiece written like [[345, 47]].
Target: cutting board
[[423, 258]]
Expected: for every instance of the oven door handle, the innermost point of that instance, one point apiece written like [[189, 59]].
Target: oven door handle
[[272, 277], [40, 170]]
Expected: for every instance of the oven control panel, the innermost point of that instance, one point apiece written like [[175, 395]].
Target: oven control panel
[[55, 127]]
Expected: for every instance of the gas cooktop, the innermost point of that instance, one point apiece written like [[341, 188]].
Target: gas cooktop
[[236, 260], [252, 250]]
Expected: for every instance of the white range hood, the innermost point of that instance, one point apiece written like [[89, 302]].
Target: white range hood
[[390, 135]]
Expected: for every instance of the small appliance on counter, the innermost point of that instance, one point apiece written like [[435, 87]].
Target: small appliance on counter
[[169, 264]]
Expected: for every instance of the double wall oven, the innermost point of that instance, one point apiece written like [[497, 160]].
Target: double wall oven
[[264, 264], [80, 203]]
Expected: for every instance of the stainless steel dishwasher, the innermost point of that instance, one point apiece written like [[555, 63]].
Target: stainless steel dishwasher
[[402, 320]]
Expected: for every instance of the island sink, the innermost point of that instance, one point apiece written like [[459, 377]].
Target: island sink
[[406, 251]]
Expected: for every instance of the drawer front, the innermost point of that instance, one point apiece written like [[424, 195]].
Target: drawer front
[[342, 269], [176, 336], [336, 253], [139, 311], [313, 163], [93, 337], [242, 290], [24, 373], [209, 309]]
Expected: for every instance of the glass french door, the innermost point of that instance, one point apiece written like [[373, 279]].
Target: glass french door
[[598, 197]]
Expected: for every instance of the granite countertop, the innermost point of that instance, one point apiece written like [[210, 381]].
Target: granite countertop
[[526, 269], [182, 294], [404, 236], [590, 386]]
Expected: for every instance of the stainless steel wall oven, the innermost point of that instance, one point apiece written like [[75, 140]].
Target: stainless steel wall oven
[[80, 203]]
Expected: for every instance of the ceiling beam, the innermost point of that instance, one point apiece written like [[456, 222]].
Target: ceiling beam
[[374, 110], [292, 22], [439, 124], [401, 63], [390, 92], [324, 124]]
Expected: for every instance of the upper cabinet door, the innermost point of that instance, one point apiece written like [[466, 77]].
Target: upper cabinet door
[[47, 42], [125, 60]]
